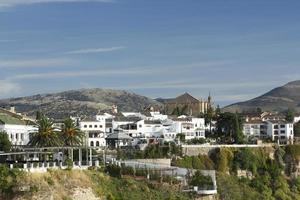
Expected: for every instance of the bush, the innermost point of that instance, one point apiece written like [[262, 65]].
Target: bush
[[222, 159], [113, 170], [203, 182], [8, 180], [127, 170]]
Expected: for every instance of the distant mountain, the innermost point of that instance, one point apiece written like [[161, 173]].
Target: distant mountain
[[79, 102], [278, 99]]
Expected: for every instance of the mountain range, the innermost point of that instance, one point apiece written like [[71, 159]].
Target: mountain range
[[84, 102], [279, 99]]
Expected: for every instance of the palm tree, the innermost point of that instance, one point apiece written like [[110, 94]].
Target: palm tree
[[71, 134], [46, 135]]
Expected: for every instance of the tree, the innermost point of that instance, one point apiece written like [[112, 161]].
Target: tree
[[209, 116], [46, 135], [229, 127], [5, 144], [202, 181], [72, 136], [238, 134], [290, 114], [297, 129]]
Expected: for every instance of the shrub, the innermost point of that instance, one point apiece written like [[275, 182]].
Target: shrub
[[113, 170], [202, 181]]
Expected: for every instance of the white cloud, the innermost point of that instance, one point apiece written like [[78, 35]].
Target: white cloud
[[8, 88], [34, 63], [83, 73], [11, 3], [95, 50]]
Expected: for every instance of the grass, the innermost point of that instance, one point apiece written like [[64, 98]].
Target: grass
[[60, 184]]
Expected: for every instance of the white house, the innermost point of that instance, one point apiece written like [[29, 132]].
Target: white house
[[190, 127], [255, 128], [280, 131], [17, 128], [97, 129]]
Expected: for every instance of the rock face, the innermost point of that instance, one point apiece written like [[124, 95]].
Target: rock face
[[82, 102], [278, 99]]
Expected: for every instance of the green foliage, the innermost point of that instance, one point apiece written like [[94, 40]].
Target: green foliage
[[293, 151], [289, 116], [249, 159], [203, 182], [69, 163], [8, 180], [196, 141], [113, 170], [71, 135], [229, 127], [195, 162], [297, 129], [222, 158], [233, 188], [128, 188], [5, 144], [167, 150], [46, 136]]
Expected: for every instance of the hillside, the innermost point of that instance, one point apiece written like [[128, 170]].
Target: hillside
[[79, 102], [278, 99], [88, 185]]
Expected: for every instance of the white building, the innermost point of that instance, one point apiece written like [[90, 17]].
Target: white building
[[190, 127], [277, 130], [280, 131], [17, 128], [255, 128], [97, 129]]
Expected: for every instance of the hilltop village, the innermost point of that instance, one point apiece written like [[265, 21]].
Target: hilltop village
[[183, 140]]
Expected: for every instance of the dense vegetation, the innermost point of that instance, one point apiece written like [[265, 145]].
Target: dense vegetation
[[270, 172]]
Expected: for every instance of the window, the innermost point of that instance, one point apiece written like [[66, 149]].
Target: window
[[282, 126], [92, 143], [282, 131], [85, 126], [282, 137], [96, 126], [275, 132], [97, 144], [275, 126], [101, 126], [22, 136], [11, 136], [140, 126], [17, 136], [90, 126]]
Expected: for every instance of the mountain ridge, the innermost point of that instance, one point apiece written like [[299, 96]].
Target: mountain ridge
[[278, 99], [82, 102]]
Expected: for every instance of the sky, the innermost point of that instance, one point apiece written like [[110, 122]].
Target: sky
[[234, 49]]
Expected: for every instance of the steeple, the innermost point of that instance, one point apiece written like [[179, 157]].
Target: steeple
[[209, 98]]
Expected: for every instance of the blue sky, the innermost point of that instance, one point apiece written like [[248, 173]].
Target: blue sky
[[236, 49]]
